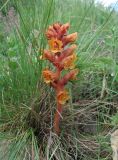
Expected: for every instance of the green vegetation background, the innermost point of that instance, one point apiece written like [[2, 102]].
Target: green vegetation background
[[94, 95]]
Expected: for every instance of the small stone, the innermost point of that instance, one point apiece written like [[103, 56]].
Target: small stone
[[114, 144]]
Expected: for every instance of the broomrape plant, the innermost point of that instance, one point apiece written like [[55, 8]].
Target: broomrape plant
[[63, 57]]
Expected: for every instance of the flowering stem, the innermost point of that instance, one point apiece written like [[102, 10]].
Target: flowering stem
[[63, 58], [57, 118]]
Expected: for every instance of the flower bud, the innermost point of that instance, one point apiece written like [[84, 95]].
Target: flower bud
[[64, 29], [70, 38], [57, 26], [49, 34]]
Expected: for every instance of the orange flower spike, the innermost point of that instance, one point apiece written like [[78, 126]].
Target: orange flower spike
[[49, 76], [62, 97], [62, 57], [55, 45], [69, 62]]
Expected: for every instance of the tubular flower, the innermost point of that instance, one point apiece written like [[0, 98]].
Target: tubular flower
[[63, 29], [56, 26], [69, 76], [55, 45], [69, 62], [67, 52], [62, 57], [49, 76], [62, 97], [47, 55], [70, 38]]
